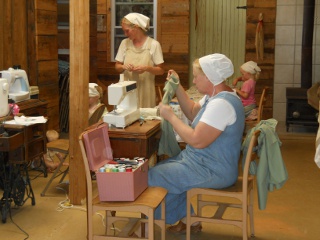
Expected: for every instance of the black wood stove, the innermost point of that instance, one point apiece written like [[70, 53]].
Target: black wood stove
[[299, 112]]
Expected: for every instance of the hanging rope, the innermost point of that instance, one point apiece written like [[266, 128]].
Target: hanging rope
[[259, 38]]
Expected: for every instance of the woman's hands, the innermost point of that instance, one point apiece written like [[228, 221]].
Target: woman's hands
[[165, 111], [141, 69], [131, 68], [236, 80], [173, 73], [128, 67]]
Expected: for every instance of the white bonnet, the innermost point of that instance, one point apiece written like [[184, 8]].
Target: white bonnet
[[93, 92], [251, 67], [139, 19], [217, 67]]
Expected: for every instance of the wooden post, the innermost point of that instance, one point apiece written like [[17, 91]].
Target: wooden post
[[78, 98]]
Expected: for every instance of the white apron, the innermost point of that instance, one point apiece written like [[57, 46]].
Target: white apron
[[145, 81]]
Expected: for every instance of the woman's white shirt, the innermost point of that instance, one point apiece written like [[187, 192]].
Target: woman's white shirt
[[219, 113], [155, 50]]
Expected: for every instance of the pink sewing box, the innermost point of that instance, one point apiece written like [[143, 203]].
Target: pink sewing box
[[113, 185]]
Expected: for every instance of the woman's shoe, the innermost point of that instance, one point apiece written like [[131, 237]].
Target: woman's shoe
[[181, 228]]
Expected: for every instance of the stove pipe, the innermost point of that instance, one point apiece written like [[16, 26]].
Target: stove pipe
[[306, 48]]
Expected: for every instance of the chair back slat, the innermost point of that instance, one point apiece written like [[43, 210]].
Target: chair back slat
[[251, 156], [262, 103]]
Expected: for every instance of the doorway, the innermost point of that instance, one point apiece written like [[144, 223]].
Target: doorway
[[218, 26]]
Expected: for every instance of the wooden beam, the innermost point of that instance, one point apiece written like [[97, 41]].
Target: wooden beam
[[79, 99]]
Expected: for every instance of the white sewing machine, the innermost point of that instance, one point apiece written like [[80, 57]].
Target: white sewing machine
[[124, 97], [4, 90], [19, 89]]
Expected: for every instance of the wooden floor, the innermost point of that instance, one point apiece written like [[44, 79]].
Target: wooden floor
[[292, 213]]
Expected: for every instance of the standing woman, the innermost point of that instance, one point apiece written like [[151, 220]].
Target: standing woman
[[140, 57]]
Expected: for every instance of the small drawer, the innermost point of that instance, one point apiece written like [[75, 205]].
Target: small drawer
[[17, 156], [12, 142], [35, 131]]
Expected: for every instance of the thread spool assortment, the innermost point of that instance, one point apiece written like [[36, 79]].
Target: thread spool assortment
[[123, 165]]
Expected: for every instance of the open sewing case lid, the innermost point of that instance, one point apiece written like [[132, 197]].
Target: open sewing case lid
[[97, 145]]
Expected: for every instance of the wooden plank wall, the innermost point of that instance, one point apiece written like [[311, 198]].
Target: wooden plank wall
[[13, 31], [43, 54], [2, 29], [268, 8], [28, 38]]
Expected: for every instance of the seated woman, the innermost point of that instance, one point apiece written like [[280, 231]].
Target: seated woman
[[211, 156], [95, 97], [250, 74]]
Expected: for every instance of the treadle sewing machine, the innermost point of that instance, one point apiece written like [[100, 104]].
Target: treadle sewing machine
[[124, 96], [18, 146], [13, 183]]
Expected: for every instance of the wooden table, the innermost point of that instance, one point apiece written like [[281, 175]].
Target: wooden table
[[135, 140], [30, 107]]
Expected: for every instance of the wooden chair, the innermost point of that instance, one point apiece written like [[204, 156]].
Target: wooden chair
[[262, 103], [252, 123], [62, 146], [145, 204], [242, 191], [97, 114]]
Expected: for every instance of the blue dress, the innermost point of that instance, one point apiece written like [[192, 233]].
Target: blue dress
[[215, 166]]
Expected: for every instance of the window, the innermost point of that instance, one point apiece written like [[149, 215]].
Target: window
[[120, 8]]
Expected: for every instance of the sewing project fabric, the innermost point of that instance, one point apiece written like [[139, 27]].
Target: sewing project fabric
[[271, 171], [168, 144]]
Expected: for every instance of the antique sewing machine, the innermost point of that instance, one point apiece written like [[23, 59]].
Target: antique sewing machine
[[124, 96], [19, 89], [4, 90]]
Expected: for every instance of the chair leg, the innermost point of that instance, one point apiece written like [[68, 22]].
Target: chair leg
[[188, 230], [90, 224], [245, 220], [163, 218], [151, 224], [64, 174], [250, 210]]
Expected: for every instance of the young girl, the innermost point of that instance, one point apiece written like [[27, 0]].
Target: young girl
[[250, 74]]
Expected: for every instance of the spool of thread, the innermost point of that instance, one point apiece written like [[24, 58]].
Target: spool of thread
[[140, 160], [128, 169], [102, 169], [122, 169], [115, 169]]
